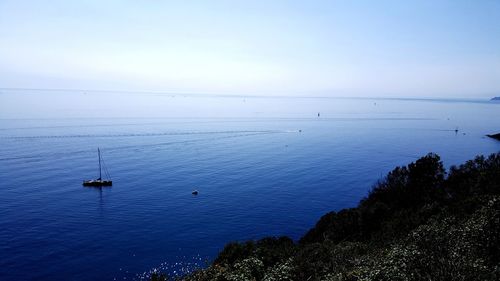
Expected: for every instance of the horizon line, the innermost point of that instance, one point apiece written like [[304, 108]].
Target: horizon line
[[211, 94]]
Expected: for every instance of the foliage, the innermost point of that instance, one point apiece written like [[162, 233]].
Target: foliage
[[335, 227], [270, 250], [416, 224], [155, 276]]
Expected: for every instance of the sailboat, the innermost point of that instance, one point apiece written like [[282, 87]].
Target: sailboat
[[99, 181]]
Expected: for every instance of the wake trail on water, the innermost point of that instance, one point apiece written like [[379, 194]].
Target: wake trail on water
[[224, 120], [143, 134], [58, 155]]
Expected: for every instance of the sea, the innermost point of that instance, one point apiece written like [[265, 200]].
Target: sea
[[262, 166]]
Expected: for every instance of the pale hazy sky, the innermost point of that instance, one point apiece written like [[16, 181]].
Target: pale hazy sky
[[362, 48]]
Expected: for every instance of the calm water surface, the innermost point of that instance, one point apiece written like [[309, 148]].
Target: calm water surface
[[263, 166]]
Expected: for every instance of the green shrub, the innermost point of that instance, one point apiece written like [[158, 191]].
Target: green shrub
[[415, 224], [335, 227]]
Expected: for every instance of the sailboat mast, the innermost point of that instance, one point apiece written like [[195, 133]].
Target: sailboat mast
[[99, 153]]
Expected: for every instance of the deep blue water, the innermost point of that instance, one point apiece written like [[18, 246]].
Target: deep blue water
[[263, 166]]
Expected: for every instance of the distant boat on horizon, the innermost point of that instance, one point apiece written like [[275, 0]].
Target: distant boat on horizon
[[99, 181]]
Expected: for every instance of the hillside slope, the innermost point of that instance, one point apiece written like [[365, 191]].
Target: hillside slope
[[418, 223]]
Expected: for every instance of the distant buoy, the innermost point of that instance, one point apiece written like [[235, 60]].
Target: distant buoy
[[195, 192]]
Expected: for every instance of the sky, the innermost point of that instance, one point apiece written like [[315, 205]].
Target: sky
[[318, 48]]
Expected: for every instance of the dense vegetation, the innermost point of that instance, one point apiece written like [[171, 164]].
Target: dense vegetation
[[418, 223]]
